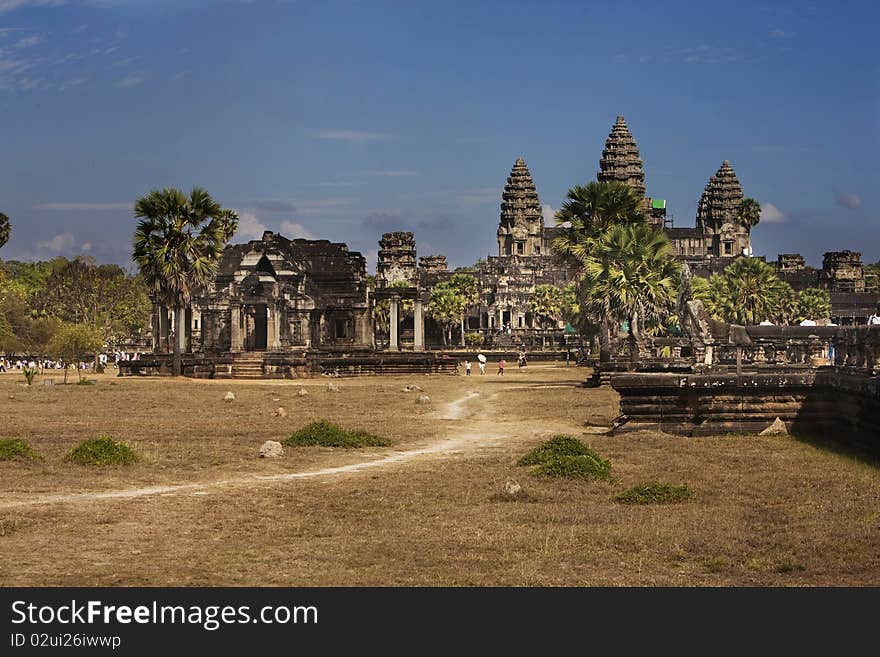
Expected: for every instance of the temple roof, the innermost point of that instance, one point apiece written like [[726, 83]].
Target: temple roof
[[519, 201], [620, 158], [722, 197]]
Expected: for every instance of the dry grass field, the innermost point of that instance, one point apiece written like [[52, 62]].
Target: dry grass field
[[200, 507]]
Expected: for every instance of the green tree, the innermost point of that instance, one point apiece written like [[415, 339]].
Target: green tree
[[813, 304], [749, 212], [588, 212], [177, 246], [73, 341], [446, 306], [468, 289], [632, 275], [5, 229], [547, 302], [748, 293], [104, 297]]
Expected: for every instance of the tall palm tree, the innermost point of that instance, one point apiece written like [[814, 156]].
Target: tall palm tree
[[547, 302], [632, 275], [5, 229], [813, 304], [749, 292], [749, 212], [588, 212], [468, 289], [177, 246]]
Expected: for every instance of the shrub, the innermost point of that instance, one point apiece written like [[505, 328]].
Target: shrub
[[575, 467], [29, 373], [655, 493], [102, 451], [327, 434], [14, 449], [474, 339], [85, 382], [559, 445]]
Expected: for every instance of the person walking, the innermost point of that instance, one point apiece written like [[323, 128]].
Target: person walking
[[874, 319], [482, 366], [501, 365], [467, 368]]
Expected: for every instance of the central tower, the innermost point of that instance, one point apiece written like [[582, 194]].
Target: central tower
[[621, 160], [521, 229]]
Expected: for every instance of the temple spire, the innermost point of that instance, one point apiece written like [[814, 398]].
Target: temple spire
[[521, 229], [621, 160]]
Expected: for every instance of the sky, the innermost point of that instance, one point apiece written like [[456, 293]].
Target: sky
[[344, 120]]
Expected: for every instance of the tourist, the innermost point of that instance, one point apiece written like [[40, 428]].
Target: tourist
[[482, 367], [501, 365], [874, 319], [467, 367]]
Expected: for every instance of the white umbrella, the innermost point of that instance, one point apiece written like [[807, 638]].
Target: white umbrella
[[481, 358]]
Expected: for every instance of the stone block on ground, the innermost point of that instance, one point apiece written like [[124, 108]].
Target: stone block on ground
[[777, 428], [230, 396], [271, 449], [423, 399], [280, 412]]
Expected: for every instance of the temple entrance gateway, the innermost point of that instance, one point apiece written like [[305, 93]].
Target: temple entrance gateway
[[257, 327]]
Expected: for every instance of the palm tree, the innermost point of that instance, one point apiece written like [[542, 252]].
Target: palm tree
[[587, 213], [813, 304], [5, 229], [468, 289], [177, 246], [446, 306], [547, 302], [748, 293], [749, 212], [632, 275]]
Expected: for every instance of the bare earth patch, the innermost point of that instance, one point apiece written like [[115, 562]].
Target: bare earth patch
[[201, 508]]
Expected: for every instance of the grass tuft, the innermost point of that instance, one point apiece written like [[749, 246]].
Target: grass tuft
[[102, 451], [327, 434], [655, 492], [16, 449], [575, 467], [560, 445]]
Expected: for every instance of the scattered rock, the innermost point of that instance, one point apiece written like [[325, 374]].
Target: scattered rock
[[11, 396], [280, 412], [412, 388], [778, 428], [276, 399], [271, 449], [423, 399], [332, 387], [229, 396], [511, 490], [303, 392]]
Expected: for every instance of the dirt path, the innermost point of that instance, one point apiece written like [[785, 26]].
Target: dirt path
[[482, 431]]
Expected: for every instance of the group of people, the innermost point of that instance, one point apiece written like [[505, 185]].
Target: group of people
[[501, 365], [43, 364]]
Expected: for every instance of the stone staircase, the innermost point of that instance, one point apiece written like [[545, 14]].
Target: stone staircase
[[246, 365]]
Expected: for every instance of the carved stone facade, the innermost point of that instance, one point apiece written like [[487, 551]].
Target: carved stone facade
[[842, 271], [521, 229], [397, 259], [433, 264], [280, 295], [621, 159]]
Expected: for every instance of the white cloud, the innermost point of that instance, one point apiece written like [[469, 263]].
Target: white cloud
[[482, 196], [350, 136], [63, 242], [779, 33], [770, 214], [250, 227], [849, 200], [549, 213], [31, 41], [83, 206], [292, 230], [391, 174], [129, 81], [9, 5]]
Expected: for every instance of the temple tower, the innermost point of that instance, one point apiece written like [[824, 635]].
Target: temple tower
[[396, 259], [842, 271], [521, 229], [718, 215], [621, 160]]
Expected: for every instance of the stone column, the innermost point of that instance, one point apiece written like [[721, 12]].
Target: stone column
[[154, 325], [163, 330], [393, 324], [180, 328], [276, 343], [235, 329], [270, 328], [418, 326], [500, 318]]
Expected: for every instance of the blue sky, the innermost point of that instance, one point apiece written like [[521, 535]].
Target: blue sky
[[343, 120]]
